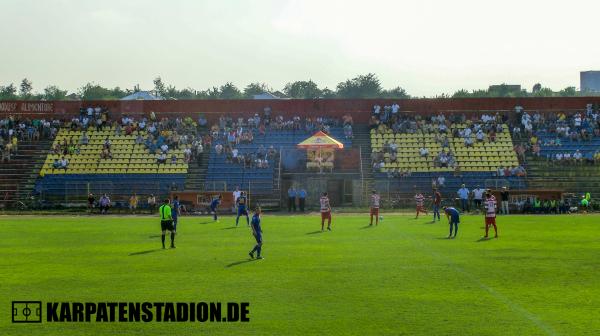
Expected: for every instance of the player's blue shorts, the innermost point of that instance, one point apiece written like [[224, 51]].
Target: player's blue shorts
[[258, 238], [242, 211], [213, 209], [454, 220], [175, 223]]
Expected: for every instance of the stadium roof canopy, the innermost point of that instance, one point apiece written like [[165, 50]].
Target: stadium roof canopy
[[142, 95], [320, 140]]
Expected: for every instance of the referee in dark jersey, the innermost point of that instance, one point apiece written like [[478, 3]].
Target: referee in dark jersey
[[166, 222]]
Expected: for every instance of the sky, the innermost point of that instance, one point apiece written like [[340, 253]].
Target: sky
[[428, 47]]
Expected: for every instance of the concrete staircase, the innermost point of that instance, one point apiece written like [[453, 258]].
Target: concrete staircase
[[196, 176], [362, 140], [17, 177]]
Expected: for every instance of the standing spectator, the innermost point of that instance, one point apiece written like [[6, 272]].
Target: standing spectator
[[91, 199], [504, 197], [291, 199], [133, 203], [151, 203], [104, 204], [478, 196], [463, 194], [302, 199]]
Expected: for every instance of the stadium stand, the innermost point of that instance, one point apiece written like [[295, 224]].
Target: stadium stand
[[420, 153], [226, 172], [110, 161]]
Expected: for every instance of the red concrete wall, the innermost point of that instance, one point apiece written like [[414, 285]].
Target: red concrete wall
[[359, 108]]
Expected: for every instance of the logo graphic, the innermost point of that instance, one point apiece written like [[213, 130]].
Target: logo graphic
[[27, 312]]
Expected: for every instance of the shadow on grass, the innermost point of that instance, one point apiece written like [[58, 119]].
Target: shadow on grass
[[482, 239], [366, 227], [314, 232], [208, 222], [444, 238], [229, 228], [154, 236], [240, 262], [144, 252]]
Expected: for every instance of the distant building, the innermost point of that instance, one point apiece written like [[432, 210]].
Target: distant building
[[589, 81], [142, 95], [505, 87]]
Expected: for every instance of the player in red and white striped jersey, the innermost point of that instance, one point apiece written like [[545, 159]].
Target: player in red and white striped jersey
[[325, 212], [375, 199], [490, 213], [420, 200]]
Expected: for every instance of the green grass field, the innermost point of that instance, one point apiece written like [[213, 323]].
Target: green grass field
[[540, 278]]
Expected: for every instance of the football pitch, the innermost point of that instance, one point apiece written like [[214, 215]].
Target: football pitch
[[541, 277]]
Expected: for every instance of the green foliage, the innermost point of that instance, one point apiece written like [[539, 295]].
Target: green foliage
[[229, 91], [399, 278], [362, 86], [93, 91], [8, 92], [53, 92], [25, 89], [253, 89], [302, 90]]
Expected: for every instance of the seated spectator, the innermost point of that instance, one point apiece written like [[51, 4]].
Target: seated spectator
[[85, 139], [480, 136], [162, 158], [106, 154], [56, 164], [64, 163], [107, 143], [219, 148], [468, 142], [164, 148], [173, 159], [423, 151]]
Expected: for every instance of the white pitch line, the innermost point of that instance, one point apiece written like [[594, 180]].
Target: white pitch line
[[500, 297]]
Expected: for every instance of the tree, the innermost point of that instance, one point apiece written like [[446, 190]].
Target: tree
[[229, 91], [92, 91], [255, 89], [159, 86], [25, 89], [327, 93], [302, 90], [568, 92], [53, 92], [362, 86], [8, 92], [396, 92], [543, 92]]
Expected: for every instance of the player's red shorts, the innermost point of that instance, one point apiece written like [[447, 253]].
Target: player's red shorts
[[326, 215], [375, 211], [490, 220]]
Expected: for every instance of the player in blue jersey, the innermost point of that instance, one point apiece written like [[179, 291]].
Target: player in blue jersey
[[175, 211], [453, 219], [242, 204], [257, 233], [214, 204]]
